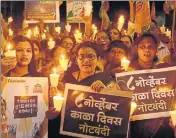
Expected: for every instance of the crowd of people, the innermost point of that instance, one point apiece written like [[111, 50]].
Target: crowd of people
[[92, 62]]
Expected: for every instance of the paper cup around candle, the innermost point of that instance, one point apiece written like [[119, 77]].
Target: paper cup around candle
[[54, 79], [64, 63], [58, 101], [125, 63]]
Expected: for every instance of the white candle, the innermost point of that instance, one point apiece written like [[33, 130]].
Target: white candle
[[63, 62], [10, 32], [58, 101], [43, 36], [28, 34], [10, 19], [121, 21], [54, 78], [162, 28], [10, 53], [133, 107], [78, 36], [168, 33], [173, 117], [125, 63], [51, 44], [68, 27], [58, 29], [36, 32]]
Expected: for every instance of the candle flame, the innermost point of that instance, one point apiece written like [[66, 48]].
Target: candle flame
[[133, 104], [77, 31], [51, 39], [9, 45], [62, 56]]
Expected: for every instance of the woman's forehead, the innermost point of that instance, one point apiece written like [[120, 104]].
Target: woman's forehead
[[25, 44], [86, 50]]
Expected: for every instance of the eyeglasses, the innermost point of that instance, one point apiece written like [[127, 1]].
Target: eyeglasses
[[88, 56]]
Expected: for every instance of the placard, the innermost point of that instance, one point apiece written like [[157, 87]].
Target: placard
[[154, 91], [48, 11], [26, 101], [76, 10], [89, 114]]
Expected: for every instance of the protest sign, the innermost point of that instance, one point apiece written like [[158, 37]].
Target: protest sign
[[48, 11], [78, 9], [26, 100], [153, 91], [89, 114]]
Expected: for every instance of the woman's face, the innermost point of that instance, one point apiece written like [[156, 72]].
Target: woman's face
[[23, 53], [67, 43], [87, 60], [58, 53], [147, 49], [126, 41], [114, 34], [36, 52], [115, 55]]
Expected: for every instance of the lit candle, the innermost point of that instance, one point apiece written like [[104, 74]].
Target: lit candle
[[63, 62], [162, 28], [43, 36], [58, 29], [58, 101], [10, 53], [51, 44], [29, 34], [10, 32], [121, 21], [125, 63], [10, 19], [36, 32], [173, 117], [168, 33], [78, 36], [94, 30], [68, 27], [125, 32], [54, 78], [133, 107]]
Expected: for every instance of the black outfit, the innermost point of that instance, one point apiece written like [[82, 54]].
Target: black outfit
[[54, 125]]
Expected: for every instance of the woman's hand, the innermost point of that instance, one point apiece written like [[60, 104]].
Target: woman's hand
[[8, 63], [117, 70], [52, 113], [98, 86]]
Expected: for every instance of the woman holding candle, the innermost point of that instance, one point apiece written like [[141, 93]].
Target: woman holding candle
[[56, 54], [25, 58], [155, 128], [116, 52], [86, 56]]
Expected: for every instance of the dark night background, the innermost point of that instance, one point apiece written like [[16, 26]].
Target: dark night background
[[15, 9]]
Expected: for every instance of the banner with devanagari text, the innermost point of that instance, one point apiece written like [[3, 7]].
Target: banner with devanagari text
[[25, 101], [92, 115], [154, 91]]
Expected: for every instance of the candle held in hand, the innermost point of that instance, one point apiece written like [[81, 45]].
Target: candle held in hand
[[63, 62], [125, 63], [58, 101], [54, 78], [133, 107], [10, 53], [51, 44]]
